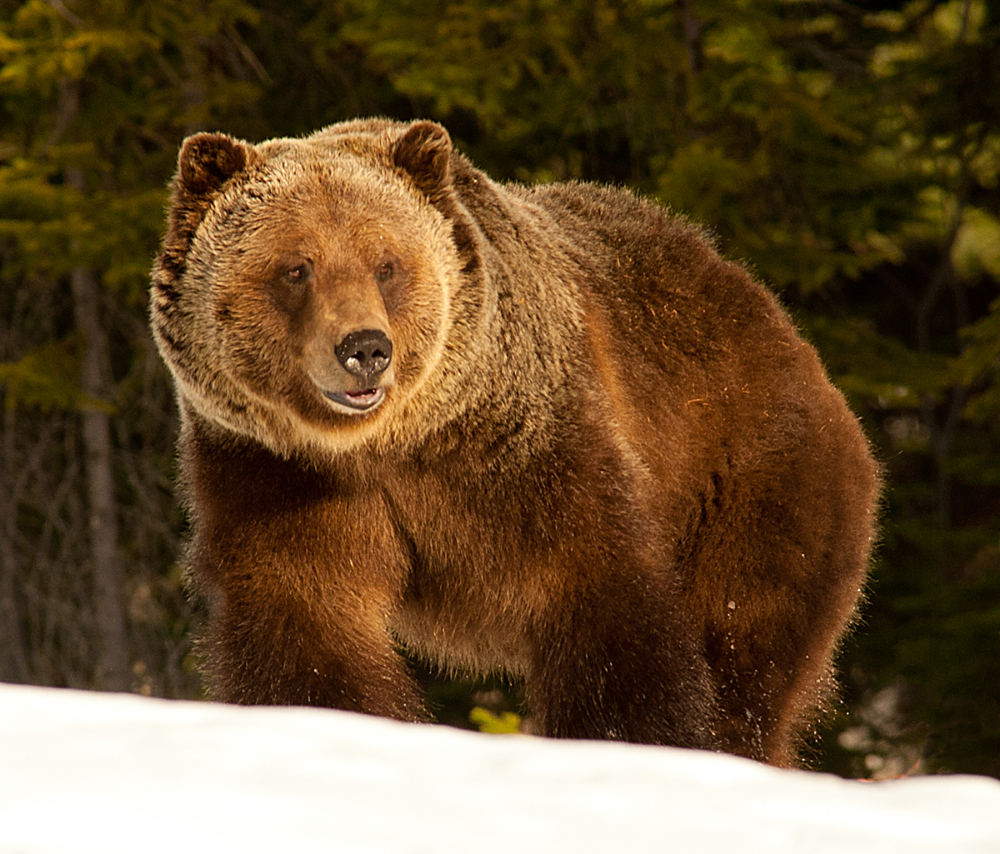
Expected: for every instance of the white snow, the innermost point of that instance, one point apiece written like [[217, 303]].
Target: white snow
[[88, 772]]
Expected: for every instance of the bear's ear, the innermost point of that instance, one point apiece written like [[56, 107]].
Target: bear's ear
[[207, 161], [424, 153]]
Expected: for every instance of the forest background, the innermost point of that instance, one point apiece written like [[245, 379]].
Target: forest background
[[848, 152]]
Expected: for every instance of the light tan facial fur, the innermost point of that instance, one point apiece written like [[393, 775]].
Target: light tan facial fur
[[287, 259]]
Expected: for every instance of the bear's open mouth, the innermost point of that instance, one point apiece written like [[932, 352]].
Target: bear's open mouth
[[361, 401]]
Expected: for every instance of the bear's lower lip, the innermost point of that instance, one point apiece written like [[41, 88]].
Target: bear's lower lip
[[360, 401]]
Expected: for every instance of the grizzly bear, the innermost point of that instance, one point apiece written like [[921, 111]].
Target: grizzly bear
[[545, 432]]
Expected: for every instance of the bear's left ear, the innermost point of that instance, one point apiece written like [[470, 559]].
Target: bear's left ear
[[424, 153]]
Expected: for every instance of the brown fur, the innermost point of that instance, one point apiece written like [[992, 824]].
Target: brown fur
[[603, 460]]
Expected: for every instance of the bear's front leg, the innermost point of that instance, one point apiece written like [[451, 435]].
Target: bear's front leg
[[305, 644], [615, 659], [300, 574]]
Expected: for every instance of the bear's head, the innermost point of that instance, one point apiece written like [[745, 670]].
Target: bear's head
[[306, 289]]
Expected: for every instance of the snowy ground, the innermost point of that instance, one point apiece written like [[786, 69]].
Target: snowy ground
[[83, 772]]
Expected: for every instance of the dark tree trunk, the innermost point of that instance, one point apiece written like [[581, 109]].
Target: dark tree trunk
[[108, 578]]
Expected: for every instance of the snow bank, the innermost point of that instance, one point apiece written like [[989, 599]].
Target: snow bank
[[82, 772]]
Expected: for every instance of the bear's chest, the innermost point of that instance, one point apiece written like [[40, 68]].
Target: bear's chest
[[480, 558]]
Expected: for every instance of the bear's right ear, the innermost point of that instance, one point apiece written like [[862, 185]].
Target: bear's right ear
[[207, 161], [424, 153]]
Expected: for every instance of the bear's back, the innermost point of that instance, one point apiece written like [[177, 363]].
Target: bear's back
[[659, 274], [683, 326]]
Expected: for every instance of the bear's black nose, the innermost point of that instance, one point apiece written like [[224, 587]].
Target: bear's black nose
[[365, 353]]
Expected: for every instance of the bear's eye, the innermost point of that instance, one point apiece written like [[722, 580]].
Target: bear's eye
[[384, 272], [299, 273]]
